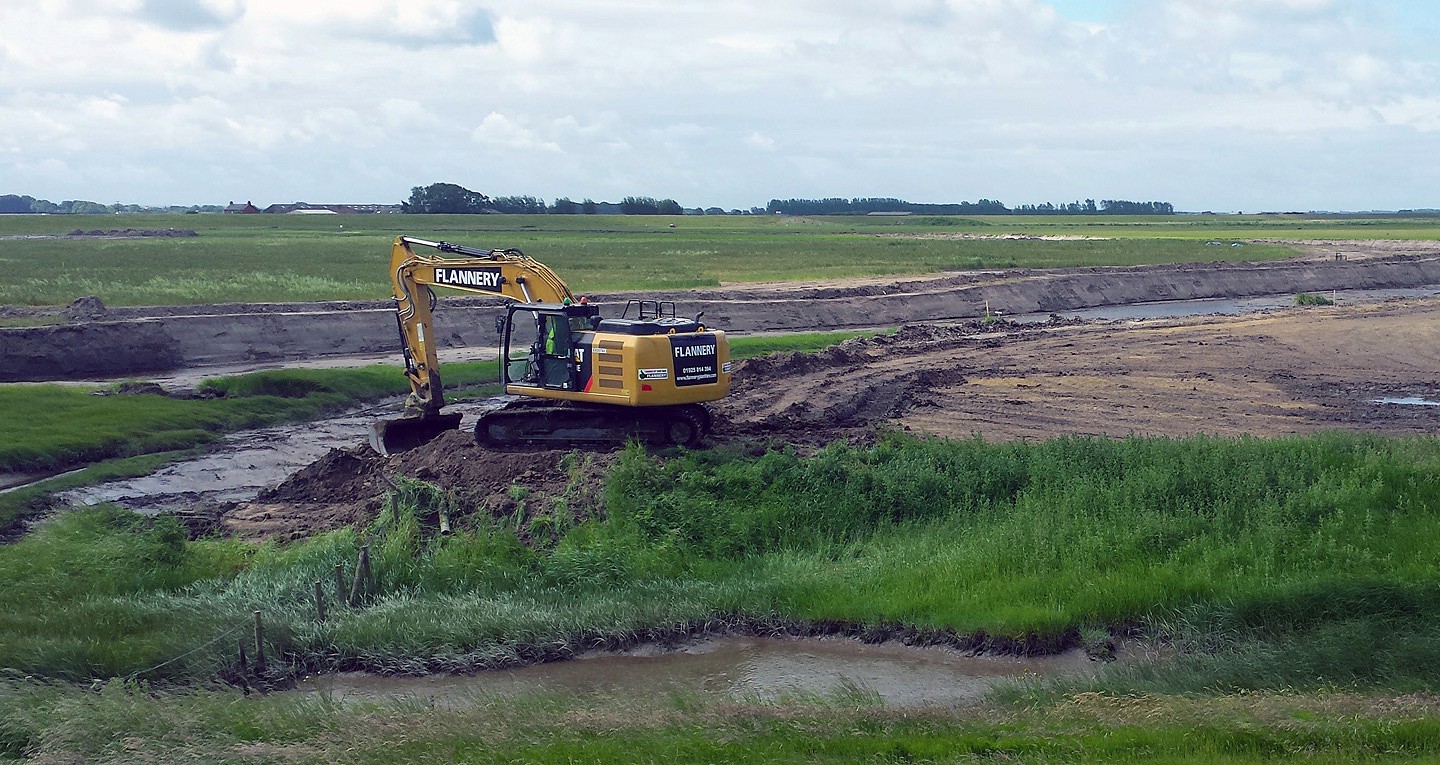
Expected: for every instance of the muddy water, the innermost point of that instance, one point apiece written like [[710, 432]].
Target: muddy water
[[188, 379], [242, 465], [730, 667]]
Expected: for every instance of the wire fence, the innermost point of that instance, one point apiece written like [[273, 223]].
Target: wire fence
[[355, 592]]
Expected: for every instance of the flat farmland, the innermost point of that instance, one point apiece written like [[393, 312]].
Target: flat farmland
[[265, 258]]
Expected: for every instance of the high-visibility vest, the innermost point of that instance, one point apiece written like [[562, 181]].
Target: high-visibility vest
[[552, 335]]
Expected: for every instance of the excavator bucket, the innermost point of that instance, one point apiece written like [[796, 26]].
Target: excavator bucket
[[389, 437]]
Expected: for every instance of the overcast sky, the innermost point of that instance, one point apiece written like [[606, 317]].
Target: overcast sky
[[1209, 104]]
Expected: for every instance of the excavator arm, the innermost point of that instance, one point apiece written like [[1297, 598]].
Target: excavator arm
[[508, 274]]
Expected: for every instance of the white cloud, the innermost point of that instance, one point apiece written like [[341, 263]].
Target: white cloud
[[498, 130], [760, 141], [726, 103], [108, 108], [1420, 113]]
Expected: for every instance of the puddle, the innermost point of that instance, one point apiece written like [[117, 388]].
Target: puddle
[[1170, 309], [730, 667], [1405, 401]]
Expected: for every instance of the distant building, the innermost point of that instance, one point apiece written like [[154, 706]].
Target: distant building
[[239, 209], [306, 208]]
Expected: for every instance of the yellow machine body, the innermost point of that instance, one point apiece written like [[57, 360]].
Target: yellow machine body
[[552, 347]]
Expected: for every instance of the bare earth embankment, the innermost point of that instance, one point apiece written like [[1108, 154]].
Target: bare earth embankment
[[1295, 370], [1282, 372]]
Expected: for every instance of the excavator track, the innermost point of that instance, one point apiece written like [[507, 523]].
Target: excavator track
[[524, 420]]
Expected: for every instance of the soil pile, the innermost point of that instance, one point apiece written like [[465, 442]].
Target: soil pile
[[858, 384], [130, 233], [348, 487]]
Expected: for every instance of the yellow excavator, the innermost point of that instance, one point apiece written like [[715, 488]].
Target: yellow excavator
[[570, 375]]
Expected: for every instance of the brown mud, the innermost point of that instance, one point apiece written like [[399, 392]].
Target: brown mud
[[347, 487], [1282, 372]]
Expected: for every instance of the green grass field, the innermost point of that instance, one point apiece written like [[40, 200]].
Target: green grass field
[[125, 724], [263, 258], [1293, 582]]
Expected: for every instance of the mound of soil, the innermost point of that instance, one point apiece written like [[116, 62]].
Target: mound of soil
[[1283, 372], [867, 383], [348, 487], [130, 233]]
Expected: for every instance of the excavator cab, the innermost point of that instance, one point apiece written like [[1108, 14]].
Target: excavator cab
[[543, 344]]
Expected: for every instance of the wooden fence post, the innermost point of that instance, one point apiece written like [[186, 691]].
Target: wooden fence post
[[259, 644], [360, 586], [319, 601]]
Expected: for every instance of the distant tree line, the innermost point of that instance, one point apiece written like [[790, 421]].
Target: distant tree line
[[867, 205], [452, 198], [1106, 207], [455, 199], [14, 204], [864, 206]]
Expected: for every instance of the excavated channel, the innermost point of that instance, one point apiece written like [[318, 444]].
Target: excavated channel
[[236, 471], [245, 463]]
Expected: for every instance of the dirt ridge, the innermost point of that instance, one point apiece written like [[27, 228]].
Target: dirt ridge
[[160, 339]]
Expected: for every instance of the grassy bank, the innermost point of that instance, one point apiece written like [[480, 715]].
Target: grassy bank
[[1311, 547], [1294, 582], [126, 724], [71, 425], [265, 258]]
